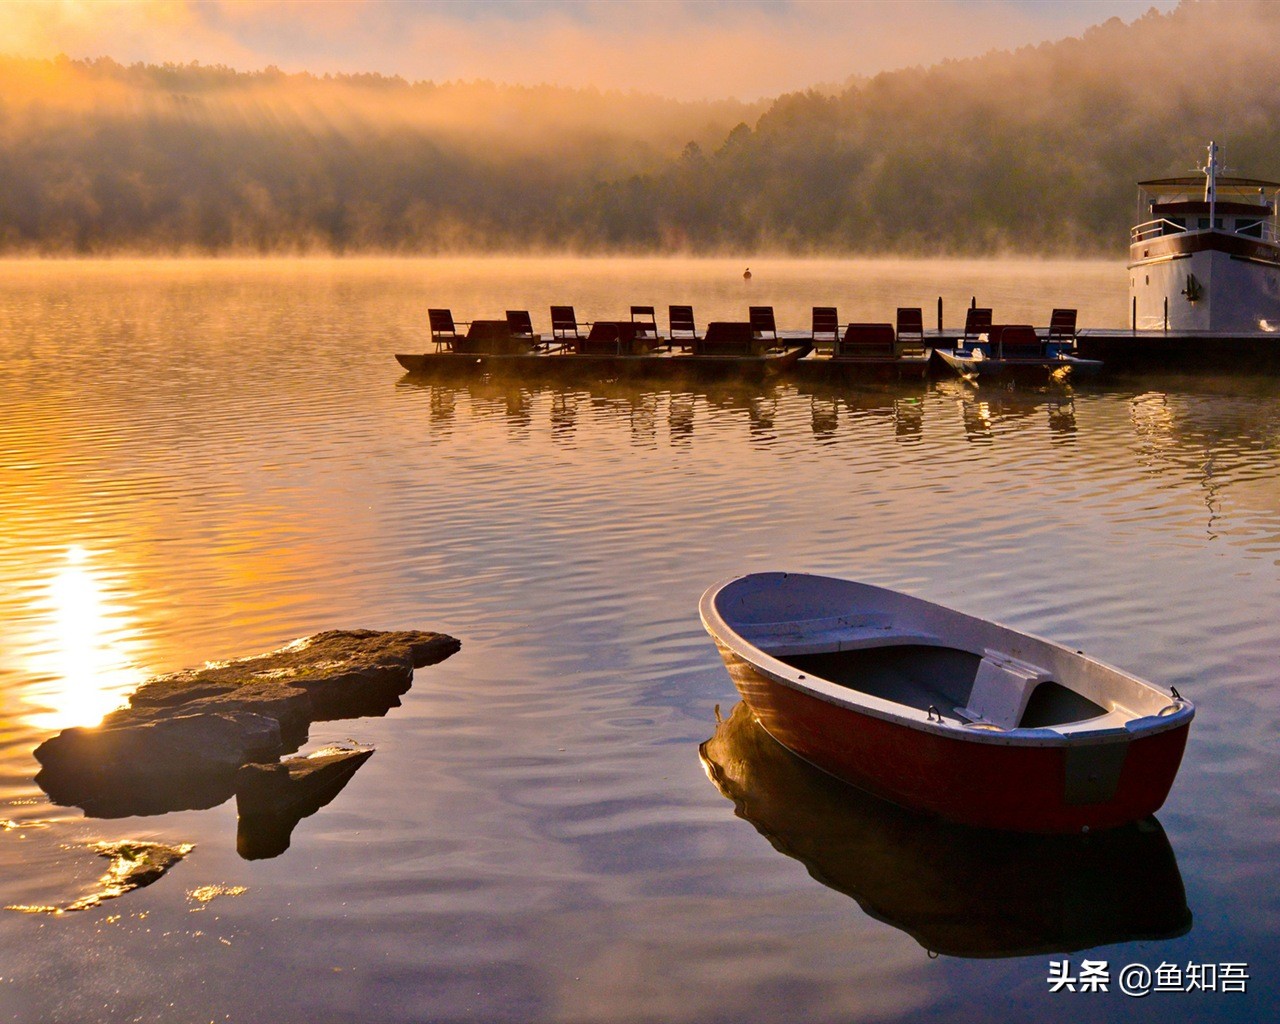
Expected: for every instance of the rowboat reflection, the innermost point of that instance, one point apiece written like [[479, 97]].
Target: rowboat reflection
[[959, 891]]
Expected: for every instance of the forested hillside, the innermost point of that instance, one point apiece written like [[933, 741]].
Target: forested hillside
[[1032, 151]]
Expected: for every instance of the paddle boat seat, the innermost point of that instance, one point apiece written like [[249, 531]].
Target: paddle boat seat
[[729, 338], [683, 331], [867, 341], [646, 320], [977, 320], [826, 326], [620, 338], [762, 323], [910, 331], [565, 324], [1017, 341], [520, 324], [444, 332], [1062, 327]]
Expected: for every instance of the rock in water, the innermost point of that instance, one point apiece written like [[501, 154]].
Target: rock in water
[[184, 736], [142, 764], [344, 673], [134, 864]]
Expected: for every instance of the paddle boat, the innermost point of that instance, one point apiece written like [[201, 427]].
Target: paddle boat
[[876, 348], [1016, 349], [945, 712], [609, 348]]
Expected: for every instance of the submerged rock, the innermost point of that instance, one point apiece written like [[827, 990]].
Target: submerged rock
[[183, 737], [134, 864], [273, 798]]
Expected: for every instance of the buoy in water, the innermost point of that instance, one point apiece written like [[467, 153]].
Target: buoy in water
[[746, 274]]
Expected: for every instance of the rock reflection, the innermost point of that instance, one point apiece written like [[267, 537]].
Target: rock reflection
[[958, 891], [272, 798]]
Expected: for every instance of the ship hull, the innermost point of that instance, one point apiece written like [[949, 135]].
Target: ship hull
[[1208, 281]]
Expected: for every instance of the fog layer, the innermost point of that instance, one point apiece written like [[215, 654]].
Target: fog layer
[[1035, 150]]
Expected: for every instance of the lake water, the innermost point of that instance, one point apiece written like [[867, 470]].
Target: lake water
[[202, 460]]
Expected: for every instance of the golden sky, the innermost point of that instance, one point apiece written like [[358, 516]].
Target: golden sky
[[689, 49]]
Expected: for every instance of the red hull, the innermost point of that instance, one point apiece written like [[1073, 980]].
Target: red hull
[[1022, 787]]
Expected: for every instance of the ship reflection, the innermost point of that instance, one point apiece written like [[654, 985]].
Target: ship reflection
[[957, 891]]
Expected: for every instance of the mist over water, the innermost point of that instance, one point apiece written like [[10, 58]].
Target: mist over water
[[206, 459], [1028, 151]]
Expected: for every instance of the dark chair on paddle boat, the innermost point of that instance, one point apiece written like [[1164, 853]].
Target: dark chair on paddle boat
[[763, 325], [683, 331], [520, 325], [826, 327], [564, 326], [866, 341], [1016, 341], [646, 320], [910, 330], [1062, 328], [443, 330], [977, 320], [615, 338], [729, 338]]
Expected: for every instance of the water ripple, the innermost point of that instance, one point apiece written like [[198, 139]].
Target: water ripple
[[202, 463]]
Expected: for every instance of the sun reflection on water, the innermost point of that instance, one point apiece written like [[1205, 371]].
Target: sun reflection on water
[[85, 656]]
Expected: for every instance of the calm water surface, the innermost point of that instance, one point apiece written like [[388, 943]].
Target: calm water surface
[[205, 460]]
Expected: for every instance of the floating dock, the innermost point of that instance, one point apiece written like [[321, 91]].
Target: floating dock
[[1235, 351]]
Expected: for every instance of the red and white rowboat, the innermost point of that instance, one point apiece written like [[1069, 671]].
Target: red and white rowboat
[[944, 712]]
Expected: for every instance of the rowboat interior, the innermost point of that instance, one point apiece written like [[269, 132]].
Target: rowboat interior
[[927, 662], [947, 680]]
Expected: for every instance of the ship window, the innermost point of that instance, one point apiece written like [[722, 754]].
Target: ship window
[[1204, 223], [1178, 222], [1252, 228]]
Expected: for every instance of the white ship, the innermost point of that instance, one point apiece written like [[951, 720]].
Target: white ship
[[1208, 256]]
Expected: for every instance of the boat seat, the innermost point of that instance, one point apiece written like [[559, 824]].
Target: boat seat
[[867, 341], [1001, 690], [829, 635], [1017, 341], [729, 338]]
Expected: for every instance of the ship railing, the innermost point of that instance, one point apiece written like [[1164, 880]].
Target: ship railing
[[1261, 229], [1154, 229], [1264, 230]]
